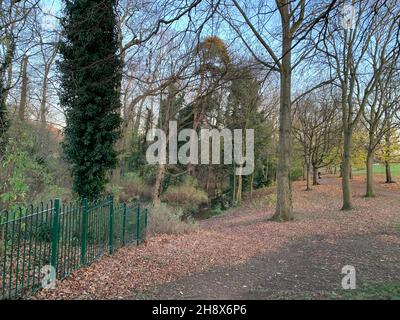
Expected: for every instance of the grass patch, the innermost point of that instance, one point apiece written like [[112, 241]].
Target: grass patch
[[379, 169], [374, 291]]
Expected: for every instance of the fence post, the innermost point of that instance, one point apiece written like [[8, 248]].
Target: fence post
[[124, 225], [138, 225], [111, 225], [84, 230], [55, 234]]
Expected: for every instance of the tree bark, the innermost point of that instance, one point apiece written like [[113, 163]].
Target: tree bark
[[251, 185], [234, 185], [370, 174], [43, 102], [346, 188], [315, 176], [308, 178], [158, 184], [239, 187], [389, 178], [24, 90], [284, 206]]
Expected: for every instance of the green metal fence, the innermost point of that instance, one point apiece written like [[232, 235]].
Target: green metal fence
[[63, 236]]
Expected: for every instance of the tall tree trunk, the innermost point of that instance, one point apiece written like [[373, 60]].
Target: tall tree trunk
[[24, 90], [388, 170], [251, 185], [8, 64], [196, 125], [346, 164], [308, 178], [315, 176], [239, 187], [136, 124], [284, 206], [120, 144], [158, 184], [370, 174], [6, 67], [266, 171], [234, 185], [43, 102], [4, 122], [45, 133]]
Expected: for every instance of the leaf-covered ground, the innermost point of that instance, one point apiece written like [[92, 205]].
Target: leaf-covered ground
[[241, 255]]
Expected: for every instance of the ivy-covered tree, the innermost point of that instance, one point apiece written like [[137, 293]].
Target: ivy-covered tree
[[4, 122], [90, 78]]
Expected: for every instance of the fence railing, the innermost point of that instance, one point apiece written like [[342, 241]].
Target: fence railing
[[60, 238]]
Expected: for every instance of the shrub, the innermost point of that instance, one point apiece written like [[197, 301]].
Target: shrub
[[164, 219], [216, 211], [52, 192], [296, 174], [31, 168], [132, 187], [186, 196]]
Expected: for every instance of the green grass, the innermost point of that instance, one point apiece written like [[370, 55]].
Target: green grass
[[379, 169], [374, 291]]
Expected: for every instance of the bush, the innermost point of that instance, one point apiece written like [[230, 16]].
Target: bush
[[53, 192], [296, 174], [31, 169], [216, 211], [132, 188], [164, 219], [186, 196]]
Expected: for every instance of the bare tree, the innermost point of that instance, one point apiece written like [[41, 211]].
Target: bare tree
[[315, 127], [346, 50], [298, 20], [377, 118]]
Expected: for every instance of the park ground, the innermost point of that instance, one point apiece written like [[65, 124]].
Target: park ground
[[242, 255], [379, 169]]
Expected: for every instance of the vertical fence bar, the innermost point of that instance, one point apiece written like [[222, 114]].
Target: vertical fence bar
[[138, 225], [84, 230], [12, 246], [24, 259], [76, 236], [111, 225], [26, 244], [30, 246], [5, 237], [20, 216], [55, 234]]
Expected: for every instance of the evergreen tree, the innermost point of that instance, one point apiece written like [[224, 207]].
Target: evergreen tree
[[90, 78]]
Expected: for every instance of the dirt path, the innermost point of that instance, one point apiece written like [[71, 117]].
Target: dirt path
[[307, 269], [243, 256]]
